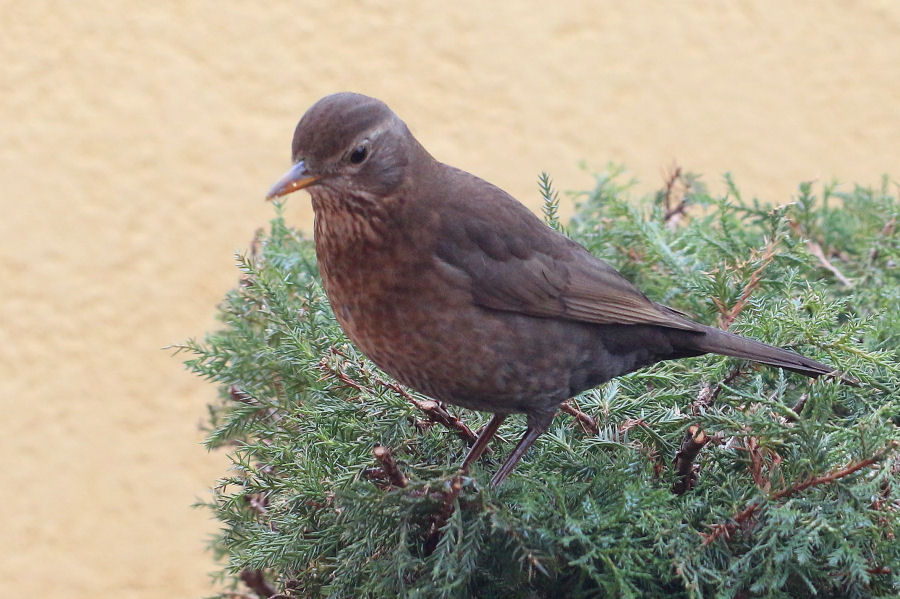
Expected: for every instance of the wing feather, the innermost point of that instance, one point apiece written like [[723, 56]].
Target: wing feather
[[514, 262]]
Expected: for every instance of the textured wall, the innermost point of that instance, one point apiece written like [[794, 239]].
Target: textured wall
[[136, 145]]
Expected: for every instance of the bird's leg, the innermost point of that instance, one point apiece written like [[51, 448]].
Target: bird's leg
[[490, 429], [536, 428]]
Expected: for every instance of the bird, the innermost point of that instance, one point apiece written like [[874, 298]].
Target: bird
[[458, 291]]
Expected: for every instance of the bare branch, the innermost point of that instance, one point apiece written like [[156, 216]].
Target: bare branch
[[833, 476], [709, 393], [816, 250], [727, 315], [254, 579], [886, 231], [798, 406], [693, 442], [383, 455], [677, 194], [239, 395], [439, 519], [588, 424], [726, 528], [433, 410]]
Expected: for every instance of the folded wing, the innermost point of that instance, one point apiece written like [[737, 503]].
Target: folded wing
[[549, 276]]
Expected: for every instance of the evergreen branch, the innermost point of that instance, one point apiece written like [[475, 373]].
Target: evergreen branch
[[630, 423], [246, 279], [439, 519], [725, 529], [833, 476], [757, 460], [345, 379], [257, 501], [550, 206], [728, 316]]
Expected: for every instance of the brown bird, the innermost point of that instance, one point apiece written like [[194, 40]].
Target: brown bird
[[457, 290]]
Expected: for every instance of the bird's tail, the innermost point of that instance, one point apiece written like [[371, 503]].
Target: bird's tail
[[717, 341]]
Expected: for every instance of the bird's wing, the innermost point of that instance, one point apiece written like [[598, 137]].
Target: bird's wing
[[513, 262], [596, 292]]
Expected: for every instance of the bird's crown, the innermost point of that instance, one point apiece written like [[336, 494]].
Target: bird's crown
[[337, 122]]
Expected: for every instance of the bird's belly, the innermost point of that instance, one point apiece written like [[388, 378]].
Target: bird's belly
[[455, 351]]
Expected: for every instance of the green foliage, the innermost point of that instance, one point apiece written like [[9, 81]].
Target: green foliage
[[550, 206], [775, 511]]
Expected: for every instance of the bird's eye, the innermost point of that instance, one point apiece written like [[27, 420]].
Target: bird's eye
[[359, 154]]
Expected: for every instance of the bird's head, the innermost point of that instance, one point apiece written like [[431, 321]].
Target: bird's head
[[350, 145]]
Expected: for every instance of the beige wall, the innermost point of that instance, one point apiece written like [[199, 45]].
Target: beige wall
[[136, 145]]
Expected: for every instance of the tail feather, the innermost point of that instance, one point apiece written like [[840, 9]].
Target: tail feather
[[716, 341]]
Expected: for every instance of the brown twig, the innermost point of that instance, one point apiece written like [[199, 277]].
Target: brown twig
[[342, 376], [432, 409], [588, 424], [886, 231], [759, 457], [728, 316], [394, 474], [630, 423], [256, 243], [258, 502], [671, 178], [709, 393], [239, 395], [816, 250], [685, 469], [254, 579], [833, 476], [673, 213], [245, 280], [725, 529], [695, 438], [798, 407], [439, 518]]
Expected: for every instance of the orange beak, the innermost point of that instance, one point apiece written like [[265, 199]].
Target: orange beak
[[296, 178]]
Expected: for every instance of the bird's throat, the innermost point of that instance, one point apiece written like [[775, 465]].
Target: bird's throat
[[349, 224]]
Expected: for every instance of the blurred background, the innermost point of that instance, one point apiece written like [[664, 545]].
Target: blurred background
[[136, 144]]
